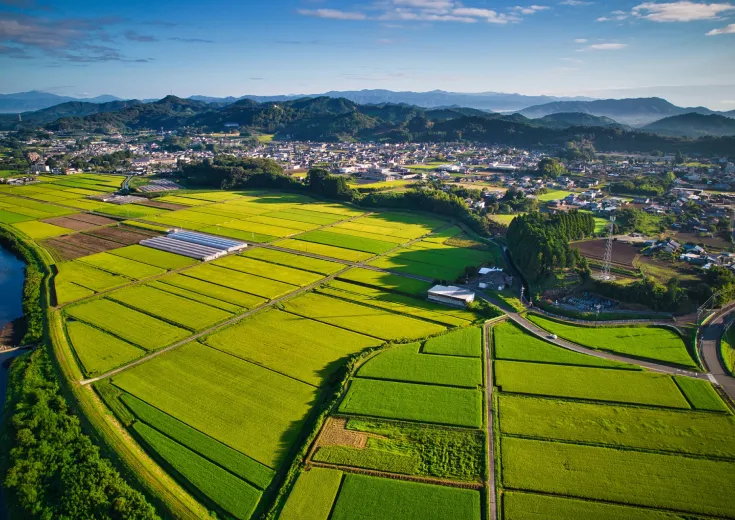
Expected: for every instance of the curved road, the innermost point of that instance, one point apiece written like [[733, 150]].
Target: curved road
[[711, 336]]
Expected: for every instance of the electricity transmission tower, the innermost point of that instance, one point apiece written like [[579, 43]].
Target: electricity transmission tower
[[608, 252]]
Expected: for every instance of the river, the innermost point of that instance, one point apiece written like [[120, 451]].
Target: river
[[12, 274]]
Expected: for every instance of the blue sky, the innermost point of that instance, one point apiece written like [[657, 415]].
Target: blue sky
[[143, 49]]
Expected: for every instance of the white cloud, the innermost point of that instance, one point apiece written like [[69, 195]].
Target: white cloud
[[580, 40], [333, 14], [607, 46], [615, 16], [531, 9], [575, 3], [682, 11], [730, 29], [573, 60]]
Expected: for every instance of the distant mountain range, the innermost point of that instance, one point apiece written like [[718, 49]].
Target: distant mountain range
[[634, 112], [35, 100], [339, 119], [494, 101]]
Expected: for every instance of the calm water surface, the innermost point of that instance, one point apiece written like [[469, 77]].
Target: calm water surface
[[11, 294]]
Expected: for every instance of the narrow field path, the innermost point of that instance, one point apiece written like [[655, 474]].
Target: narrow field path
[[491, 484]]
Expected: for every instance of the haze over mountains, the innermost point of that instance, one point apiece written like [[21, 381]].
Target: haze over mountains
[[330, 117]]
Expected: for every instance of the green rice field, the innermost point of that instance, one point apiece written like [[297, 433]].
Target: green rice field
[[627, 477], [313, 495], [97, 351], [306, 350], [464, 342], [258, 412], [405, 363], [655, 343], [414, 402]]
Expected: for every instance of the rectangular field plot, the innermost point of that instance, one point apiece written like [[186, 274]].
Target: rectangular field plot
[[618, 426], [626, 477], [307, 350], [400, 262], [600, 384], [305, 263], [701, 394], [154, 257], [387, 281], [313, 495], [185, 313], [397, 303], [359, 318], [262, 229], [40, 230], [405, 448], [311, 217], [196, 297], [269, 220], [137, 328], [279, 273], [122, 266], [367, 245], [233, 461], [405, 363], [238, 234], [99, 352], [130, 210], [249, 408], [511, 342], [228, 492], [333, 209], [74, 275], [244, 282], [655, 343], [463, 342], [528, 506], [214, 291], [351, 234], [405, 233], [313, 248], [413, 402], [372, 498], [8, 217]]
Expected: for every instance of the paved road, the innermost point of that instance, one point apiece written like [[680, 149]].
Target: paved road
[[489, 384], [711, 335]]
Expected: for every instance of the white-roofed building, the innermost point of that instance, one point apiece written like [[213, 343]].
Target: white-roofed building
[[451, 295]]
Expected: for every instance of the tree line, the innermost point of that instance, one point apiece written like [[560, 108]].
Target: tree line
[[540, 243]]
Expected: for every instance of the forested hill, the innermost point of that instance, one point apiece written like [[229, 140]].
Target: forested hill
[[338, 119], [693, 125]]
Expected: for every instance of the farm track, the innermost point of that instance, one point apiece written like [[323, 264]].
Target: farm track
[[537, 331], [711, 335], [489, 384]]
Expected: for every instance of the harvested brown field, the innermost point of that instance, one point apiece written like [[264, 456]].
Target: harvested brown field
[[163, 205], [70, 223], [122, 236], [74, 246], [622, 254], [93, 219], [714, 242], [335, 433]]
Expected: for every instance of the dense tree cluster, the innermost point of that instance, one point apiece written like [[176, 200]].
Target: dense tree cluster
[[648, 186], [228, 172], [550, 168], [53, 470], [540, 243]]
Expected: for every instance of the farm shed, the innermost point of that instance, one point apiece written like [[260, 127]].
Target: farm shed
[[179, 247], [451, 295], [223, 244]]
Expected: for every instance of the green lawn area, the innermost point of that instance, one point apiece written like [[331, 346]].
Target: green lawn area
[[554, 195], [727, 349], [265, 138], [654, 343], [504, 219]]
